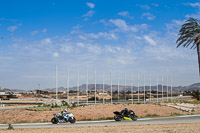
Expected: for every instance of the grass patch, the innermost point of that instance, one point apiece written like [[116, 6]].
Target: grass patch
[[193, 102], [181, 101]]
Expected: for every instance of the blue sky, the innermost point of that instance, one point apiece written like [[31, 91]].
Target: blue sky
[[131, 36]]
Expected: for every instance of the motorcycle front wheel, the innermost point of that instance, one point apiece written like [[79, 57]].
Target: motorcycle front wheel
[[134, 118], [72, 120]]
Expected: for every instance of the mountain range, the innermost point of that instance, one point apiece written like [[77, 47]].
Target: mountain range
[[91, 87]]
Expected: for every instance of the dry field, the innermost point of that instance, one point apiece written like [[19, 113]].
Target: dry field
[[168, 128], [92, 112]]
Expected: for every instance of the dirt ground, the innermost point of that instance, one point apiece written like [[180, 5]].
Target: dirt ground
[[168, 128], [91, 112]]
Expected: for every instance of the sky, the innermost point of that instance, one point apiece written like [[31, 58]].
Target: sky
[[135, 37]]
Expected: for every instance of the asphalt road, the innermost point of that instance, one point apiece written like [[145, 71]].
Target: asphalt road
[[146, 121]]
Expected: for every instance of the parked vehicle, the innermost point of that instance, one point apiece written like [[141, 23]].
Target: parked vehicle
[[130, 116], [59, 118]]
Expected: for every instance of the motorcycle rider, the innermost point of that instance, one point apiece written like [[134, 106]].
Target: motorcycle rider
[[124, 112], [64, 114]]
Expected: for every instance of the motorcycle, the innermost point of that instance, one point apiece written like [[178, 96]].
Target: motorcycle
[[131, 116], [59, 118]]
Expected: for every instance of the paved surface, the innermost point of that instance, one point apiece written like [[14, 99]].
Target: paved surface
[[147, 121]]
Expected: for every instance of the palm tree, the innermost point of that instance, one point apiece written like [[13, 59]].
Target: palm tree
[[190, 34]]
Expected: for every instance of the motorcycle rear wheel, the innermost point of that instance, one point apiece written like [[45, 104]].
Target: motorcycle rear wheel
[[117, 118], [54, 121]]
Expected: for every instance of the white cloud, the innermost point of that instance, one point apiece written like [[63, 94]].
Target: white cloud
[[149, 16], [82, 37], [106, 23], [89, 13], [154, 4], [44, 30], [94, 49], [110, 49], [105, 35], [77, 27], [37, 31], [175, 24], [55, 54], [12, 28], [125, 14], [66, 48], [109, 36], [167, 53], [149, 40], [196, 15], [80, 44], [47, 41], [121, 24], [146, 7], [34, 32], [197, 4], [91, 5]]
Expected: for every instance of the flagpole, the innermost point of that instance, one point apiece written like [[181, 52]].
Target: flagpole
[[138, 88], [56, 82], [78, 87], [111, 87], [68, 85], [144, 89], [95, 88], [87, 86], [103, 88], [132, 87]]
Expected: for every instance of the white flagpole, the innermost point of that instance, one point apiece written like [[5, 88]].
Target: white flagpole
[[125, 85], [132, 87], [144, 89], [150, 86], [95, 88], [56, 82], [138, 88], [118, 85], [103, 87], [68, 85], [171, 89], [167, 88], [162, 88], [78, 87], [111, 87], [157, 88], [87, 86]]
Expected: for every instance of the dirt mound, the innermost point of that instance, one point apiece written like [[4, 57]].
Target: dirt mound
[[91, 112]]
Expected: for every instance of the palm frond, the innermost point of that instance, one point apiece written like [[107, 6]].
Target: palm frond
[[189, 32]]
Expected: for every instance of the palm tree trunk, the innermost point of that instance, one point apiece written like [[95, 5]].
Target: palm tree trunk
[[198, 52]]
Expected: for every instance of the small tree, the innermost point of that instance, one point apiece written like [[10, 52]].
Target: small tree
[[196, 94]]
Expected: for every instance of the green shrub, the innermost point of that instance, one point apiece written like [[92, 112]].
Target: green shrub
[[10, 127]]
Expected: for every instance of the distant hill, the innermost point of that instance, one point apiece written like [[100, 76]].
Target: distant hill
[[107, 87], [12, 90]]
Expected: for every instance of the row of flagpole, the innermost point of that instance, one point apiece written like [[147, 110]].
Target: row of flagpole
[[118, 91]]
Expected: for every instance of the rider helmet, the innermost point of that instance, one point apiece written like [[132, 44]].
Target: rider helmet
[[126, 109], [65, 110]]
